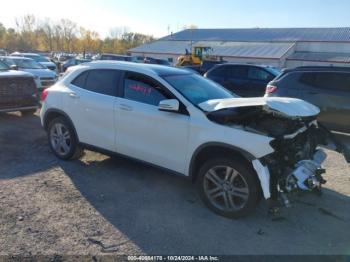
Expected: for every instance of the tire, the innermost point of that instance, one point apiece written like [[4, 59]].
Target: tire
[[62, 139], [232, 190], [28, 112]]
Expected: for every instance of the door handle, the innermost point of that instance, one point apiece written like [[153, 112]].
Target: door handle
[[125, 107], [73, 95]]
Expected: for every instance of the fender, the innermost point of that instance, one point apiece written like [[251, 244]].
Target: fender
[[248, 156], [60, 112]]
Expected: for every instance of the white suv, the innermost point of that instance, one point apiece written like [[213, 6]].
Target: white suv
[[235, 149]]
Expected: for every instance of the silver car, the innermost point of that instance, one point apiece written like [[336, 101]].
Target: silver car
[[38, 58], [44, 77]]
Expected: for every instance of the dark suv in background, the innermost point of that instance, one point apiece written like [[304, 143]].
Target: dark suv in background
[[326, 87], [244, 80], [18, 91]]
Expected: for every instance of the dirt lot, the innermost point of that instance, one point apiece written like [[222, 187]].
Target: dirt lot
[[101, 205]]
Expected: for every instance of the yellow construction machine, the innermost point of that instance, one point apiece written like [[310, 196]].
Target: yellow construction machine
[[199, 53]]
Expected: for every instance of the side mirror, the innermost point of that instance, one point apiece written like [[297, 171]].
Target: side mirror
[[14, 67], [169, 105]]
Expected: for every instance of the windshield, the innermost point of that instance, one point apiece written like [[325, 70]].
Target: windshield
[[197, 89], [28, 64], [37, 58], [3, 66]]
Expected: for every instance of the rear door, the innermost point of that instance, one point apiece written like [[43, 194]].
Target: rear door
[[90, 100]]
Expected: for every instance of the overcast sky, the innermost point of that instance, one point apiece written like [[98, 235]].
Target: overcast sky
[[155, 16]]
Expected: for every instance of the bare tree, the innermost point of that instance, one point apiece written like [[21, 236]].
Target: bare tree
[[48, 33], [26, 27], [69, 30]]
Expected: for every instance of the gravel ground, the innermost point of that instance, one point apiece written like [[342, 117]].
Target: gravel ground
[[100, 205]]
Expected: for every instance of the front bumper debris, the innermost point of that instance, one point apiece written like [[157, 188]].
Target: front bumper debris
[[306, 176]]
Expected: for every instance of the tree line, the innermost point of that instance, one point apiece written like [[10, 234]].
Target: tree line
[[32, 34]]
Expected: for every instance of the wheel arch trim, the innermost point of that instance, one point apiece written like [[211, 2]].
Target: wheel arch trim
[[248, 156], [60, 112], [262, 171]]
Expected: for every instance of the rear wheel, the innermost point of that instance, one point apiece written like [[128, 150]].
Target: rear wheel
[[62, 139], [229, 187]]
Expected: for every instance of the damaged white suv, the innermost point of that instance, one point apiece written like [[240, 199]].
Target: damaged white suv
[[235, 149]]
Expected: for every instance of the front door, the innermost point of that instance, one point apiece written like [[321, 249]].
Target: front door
[[145, 133]]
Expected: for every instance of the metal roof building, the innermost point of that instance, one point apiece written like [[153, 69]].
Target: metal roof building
[[280, 47]]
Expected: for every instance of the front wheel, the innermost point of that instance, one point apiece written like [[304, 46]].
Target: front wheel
[[229, 187], [62, 139]]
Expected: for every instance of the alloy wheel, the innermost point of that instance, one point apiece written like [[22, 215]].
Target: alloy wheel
[[60, 139], [226, 188]]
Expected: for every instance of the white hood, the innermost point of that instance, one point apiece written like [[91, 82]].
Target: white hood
[[291, 107]]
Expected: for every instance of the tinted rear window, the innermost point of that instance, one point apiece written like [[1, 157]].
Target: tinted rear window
[[221, 71], [103, 81], [327, 80], [80, 80]]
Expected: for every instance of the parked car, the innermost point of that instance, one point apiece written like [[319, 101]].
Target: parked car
[[232, 148], [116, 57], [44, 77], [64, 58], [38, 58], [204, 67], [209, 64], [326, 87], [243, 80], [73, 62], [3, 52], [157, 61], [18, 91]]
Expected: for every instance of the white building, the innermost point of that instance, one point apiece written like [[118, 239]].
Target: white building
[[279, 47]]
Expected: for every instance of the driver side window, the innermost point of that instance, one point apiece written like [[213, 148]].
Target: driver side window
[[143, 89], [258, 74]]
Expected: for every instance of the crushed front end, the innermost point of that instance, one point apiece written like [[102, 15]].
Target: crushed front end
[[297, 161], [297, 140]]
